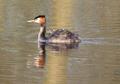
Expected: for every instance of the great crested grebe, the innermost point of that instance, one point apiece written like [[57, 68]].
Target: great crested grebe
[[58, 36]]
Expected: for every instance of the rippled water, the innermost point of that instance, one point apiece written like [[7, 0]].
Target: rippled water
[[95, 61]]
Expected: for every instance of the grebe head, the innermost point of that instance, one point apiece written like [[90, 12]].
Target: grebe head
[[40, 19]]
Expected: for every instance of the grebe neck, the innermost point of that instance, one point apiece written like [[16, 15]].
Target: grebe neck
[[41, 34]]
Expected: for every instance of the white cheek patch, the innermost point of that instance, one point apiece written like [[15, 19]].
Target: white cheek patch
[[37, 20]]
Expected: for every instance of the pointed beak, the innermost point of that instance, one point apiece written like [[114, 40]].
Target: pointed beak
[[31, 21]]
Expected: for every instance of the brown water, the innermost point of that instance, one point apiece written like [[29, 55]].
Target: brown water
[[95, 61]]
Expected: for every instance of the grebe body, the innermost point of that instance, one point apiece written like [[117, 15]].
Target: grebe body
[[63, 36], [58, 36]]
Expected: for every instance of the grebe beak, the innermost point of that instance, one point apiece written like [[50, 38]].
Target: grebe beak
[[31, 21]]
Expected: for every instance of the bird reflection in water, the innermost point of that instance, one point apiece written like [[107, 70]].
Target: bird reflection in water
[[41, 58]]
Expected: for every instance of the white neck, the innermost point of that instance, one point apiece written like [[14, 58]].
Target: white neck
[[41, 30], [41, 35]]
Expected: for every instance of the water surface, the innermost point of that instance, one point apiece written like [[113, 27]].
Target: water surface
[[96, 60]]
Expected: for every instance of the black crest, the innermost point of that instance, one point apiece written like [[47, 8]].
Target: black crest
[[39, 16]]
